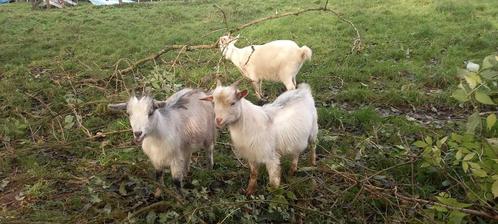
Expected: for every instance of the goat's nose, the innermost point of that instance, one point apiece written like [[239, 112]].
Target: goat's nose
[[137, 134], [219, 120]]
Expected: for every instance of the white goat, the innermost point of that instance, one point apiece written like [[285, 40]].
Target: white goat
[[263, 134], [278, 60], [170, 131]]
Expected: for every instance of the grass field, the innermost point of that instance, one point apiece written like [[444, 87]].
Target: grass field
[[57, 70]]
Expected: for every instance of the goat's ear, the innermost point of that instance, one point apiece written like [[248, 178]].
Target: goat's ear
[[242, 94], [158, 104], [118, 106], [207, 98], [236, 83], [218, 83]]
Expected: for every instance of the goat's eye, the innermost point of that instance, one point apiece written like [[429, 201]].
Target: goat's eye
[[233, 103], [151, 113]]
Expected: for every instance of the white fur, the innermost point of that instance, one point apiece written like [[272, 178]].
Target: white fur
[[263, 134], [278, 60], [172, 130]]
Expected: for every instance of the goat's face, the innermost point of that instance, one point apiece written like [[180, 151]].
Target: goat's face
[[141, 113], [224, 41], [227, 104]]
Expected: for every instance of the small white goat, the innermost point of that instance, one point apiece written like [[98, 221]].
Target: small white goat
[[263, 134], [170, 131], [278, 60]]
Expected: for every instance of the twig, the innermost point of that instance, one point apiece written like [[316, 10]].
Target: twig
[[224, 15], [79, 121], [149, 207]]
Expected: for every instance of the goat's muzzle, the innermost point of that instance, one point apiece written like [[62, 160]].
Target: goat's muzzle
[[219, 122], [138, 137]]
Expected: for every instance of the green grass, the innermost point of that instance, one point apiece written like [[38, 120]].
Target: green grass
[[52, 61]]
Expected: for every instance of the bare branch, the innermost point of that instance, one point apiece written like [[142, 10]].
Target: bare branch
[[224, 15], [163, 51]]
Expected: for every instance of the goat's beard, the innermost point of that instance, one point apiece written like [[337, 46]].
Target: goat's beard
[[139, 140]]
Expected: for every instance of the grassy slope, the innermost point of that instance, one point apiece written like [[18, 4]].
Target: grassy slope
[[50, 59]]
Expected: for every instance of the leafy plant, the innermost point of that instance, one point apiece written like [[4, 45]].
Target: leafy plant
[[472, 152], [163, 80]]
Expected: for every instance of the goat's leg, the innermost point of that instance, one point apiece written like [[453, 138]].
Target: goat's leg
[[293, 168], [186, 163], [177, 172], [253, 178], [273, 168], [211, 154], [289, 83], [312, 147], [257, 89], [159, 176]]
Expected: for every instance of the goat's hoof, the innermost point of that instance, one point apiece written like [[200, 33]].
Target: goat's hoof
[[249, 192], [158, 192]]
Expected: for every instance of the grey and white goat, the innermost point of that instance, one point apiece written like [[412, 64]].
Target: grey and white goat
[[170, 131], [262, 135]]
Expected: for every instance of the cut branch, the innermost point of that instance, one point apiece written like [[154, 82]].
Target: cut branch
[[375, 190], [163, 51], [357, 42]]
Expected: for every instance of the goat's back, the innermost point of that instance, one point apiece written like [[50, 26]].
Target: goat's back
[[294, 118], [194, 118], [271, 59]]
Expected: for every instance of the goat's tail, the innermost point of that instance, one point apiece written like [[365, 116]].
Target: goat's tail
[[306, 53]]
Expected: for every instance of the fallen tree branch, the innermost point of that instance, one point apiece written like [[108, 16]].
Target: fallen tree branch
[[165, 50], [493, 215], [375, 190], [357, 43]]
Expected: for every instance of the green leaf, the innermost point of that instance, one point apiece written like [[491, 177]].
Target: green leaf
[[469, 156], [439, 208], [472, 79], [465, 166], [460, 95], [456, 137], [420, 144], [489, 75], [490, 121], [473, 122], [452, 202], [151, 217], [494, 189], [475, 165], [483, 98], [479, 172], [456, 217], [428, 140], [489, 62], [459, 155], [441, 141], [122, 189]]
